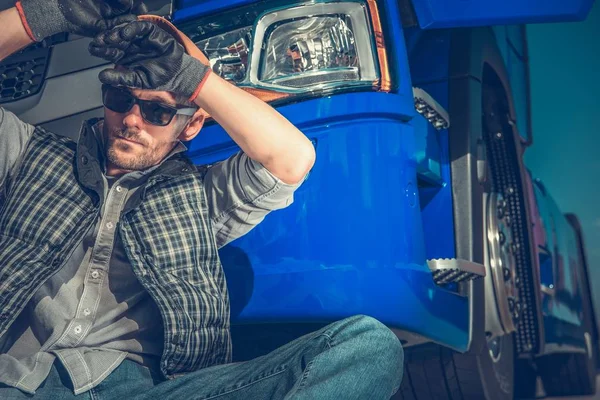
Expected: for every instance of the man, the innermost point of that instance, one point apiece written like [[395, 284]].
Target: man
[[110, 280]]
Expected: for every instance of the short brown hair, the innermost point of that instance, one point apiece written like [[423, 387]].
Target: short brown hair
[[182, 100]]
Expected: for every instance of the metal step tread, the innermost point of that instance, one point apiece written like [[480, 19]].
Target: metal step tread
[[453, 270]]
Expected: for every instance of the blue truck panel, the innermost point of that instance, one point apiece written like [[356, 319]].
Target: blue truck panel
[[192, 8], [428, 53], [354, 135], [332, 253], [502, 39], [462, 13], [562, 277], [428, 64]]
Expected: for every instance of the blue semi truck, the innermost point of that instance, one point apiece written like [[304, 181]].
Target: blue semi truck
[[419, 210]]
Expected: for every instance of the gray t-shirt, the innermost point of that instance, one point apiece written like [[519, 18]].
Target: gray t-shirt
[[93, 313]]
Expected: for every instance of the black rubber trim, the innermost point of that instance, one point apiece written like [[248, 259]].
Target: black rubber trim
[[464, 133], [471, 50]]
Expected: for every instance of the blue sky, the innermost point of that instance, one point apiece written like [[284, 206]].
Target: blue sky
[[565, 92]]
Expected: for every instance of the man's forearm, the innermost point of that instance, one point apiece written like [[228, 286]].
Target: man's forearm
[[260, 131], [13, 37]]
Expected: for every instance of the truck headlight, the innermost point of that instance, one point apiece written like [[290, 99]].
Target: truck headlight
[[297, 49]]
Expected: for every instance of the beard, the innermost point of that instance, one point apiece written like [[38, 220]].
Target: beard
[[131, 156]]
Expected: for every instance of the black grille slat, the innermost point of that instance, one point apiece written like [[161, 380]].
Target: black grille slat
[[507, 180], [22, 74]]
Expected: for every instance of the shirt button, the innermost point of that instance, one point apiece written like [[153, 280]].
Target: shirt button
[[119, 189], [86, 312], [77, 329], [109, 225], [95, 274]]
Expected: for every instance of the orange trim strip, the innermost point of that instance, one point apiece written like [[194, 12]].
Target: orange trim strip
[[265, 94], [24, 21], [384, 84]]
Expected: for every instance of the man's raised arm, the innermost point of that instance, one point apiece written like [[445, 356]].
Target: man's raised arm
[[264, 134], [14, 37], [32, 21], [155, 61], [13, 132]]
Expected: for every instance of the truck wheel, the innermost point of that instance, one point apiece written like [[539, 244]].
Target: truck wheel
[[434, 372], [438, 373], [568, 374], [491, 225]]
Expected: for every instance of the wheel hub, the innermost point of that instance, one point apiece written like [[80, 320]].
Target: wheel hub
[[494, 344], [501, 257]]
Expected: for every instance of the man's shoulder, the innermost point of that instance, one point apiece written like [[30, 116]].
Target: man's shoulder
[[43, 136]]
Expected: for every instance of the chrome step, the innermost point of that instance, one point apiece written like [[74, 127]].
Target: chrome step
[[453, 270], [426, 105]]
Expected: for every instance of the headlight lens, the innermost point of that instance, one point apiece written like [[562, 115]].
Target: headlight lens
[[228, 53], [294, 49], [314, 47], [310, 51]]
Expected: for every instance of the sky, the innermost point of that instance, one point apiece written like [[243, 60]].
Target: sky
[[565, 95]]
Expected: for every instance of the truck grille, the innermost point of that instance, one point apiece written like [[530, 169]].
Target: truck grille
[[507, 180], [22, 74]]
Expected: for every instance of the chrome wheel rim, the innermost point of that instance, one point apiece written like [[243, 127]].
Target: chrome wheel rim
[[502, 263], [494, 345]]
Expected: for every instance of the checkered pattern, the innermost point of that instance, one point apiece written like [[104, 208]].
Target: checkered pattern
[[173, 244], [41, 218], [167, 236]]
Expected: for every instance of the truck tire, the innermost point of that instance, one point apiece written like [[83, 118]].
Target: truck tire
[[568, 374], [435, 372], [485, 164], [575, 374]]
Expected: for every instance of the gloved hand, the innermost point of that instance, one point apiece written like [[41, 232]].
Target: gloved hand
[[43, 18], [153, 59]]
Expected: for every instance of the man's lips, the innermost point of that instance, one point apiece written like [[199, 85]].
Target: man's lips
[[128, 140]]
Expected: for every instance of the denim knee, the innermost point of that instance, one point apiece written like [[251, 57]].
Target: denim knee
[[383, 342], [376, 343]]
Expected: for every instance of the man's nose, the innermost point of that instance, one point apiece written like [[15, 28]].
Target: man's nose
[[133, 118]]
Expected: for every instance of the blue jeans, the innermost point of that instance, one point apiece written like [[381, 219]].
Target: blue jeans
[[355, 358]]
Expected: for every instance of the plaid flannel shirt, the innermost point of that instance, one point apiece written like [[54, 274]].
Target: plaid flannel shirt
[[55, 197]]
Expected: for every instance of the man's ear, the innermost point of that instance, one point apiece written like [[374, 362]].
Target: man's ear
[[193, 126]]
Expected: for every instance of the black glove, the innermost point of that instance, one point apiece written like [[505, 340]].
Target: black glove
[[84, 17], [153, 60]]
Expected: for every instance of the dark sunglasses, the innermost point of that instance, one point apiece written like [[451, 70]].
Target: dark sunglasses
[[153, 112]]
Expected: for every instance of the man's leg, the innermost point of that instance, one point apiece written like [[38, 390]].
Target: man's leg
[[355, 358]]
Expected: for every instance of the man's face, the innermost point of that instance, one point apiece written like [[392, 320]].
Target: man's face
[[133, 144]]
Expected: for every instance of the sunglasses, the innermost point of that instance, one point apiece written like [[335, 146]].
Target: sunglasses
[[153, 112]]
